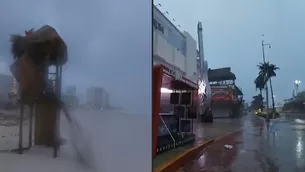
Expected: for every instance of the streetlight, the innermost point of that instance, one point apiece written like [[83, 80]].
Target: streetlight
[[297, 86], [266, 87], [263, 48]]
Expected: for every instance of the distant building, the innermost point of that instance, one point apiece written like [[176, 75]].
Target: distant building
[[70, 97], [6, 84], [70, 100], [97, 97], [71, 91], [105, 99]]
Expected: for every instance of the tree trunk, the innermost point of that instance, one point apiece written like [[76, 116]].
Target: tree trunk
[[262, 105], [267, 103], [272, 98], [45, 123]]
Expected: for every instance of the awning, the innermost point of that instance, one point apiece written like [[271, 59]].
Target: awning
[[179, 81], [180, 85]]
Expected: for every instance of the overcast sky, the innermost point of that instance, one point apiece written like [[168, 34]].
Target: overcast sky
[[109, 43], [233, 31]]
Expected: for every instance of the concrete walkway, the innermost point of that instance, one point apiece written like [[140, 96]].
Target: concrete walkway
[[203, 132]]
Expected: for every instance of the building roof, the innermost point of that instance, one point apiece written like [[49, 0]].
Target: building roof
[[221, 74], [238, 91]]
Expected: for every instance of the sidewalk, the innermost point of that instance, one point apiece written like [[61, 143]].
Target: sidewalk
[[204, 132]]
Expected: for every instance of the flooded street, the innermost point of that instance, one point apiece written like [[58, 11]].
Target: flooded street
[[257, 149]]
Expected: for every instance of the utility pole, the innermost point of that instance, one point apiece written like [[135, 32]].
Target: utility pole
[[266, 86]]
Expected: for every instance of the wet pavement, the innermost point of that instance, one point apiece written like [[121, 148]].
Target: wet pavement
[[256, 148], [203, 133]]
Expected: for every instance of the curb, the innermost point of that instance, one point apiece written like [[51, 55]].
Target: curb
[[177, 162]]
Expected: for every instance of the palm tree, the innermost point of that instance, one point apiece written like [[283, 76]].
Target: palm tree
[[266, 72], [257, 102], [259, 84]]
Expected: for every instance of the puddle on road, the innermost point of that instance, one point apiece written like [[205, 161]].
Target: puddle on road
[[300, 121]]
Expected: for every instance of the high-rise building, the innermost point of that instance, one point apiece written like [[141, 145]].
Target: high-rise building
[[97, 97], [5, 86], [70, 97], [105, 99], [71, 91]]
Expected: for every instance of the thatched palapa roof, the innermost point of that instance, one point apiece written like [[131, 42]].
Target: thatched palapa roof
[[39, 45]]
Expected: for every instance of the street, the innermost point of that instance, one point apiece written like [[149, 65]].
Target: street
[[257, 149]]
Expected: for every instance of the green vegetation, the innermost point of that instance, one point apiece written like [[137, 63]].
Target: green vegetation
[[257, 102], [296, 104], [266, 72]]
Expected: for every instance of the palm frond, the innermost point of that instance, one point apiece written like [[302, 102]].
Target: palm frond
[[18, 45], [39, 44], [267, 69]]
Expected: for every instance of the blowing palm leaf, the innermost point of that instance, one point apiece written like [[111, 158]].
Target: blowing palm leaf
[[259, 82], [267, 71]]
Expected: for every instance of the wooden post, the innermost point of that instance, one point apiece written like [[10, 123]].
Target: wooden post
[[45, 123], [40, 112], [57, 117], [45, 116], [31, 125], [20, 145]]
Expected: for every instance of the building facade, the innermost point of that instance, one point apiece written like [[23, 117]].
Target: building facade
[[97, 97], [71, 91], [172, 47], [70, 97], [6, 84]]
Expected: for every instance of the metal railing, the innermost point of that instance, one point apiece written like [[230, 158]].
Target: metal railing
[[168, 131]]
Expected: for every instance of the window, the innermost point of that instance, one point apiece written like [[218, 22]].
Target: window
[[158, 26], [176, 41]]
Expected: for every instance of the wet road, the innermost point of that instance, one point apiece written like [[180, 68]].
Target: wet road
[[257, 149]]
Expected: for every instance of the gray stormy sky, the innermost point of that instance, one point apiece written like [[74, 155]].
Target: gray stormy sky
[[233, 31], [109, 43]]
